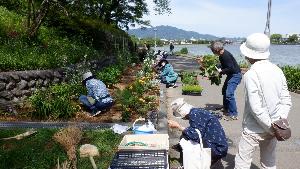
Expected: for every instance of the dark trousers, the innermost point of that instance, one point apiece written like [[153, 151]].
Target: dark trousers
[[229, 87], [98, 105]]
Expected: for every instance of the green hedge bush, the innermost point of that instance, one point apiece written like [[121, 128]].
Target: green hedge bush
[[184, 51], [292, 74], [110, 75], [57, 102]]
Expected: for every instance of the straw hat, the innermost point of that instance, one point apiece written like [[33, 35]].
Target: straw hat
[[181, 108], [256, 46]]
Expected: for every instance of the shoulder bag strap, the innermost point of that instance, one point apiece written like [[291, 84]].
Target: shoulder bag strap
[[200, 139]]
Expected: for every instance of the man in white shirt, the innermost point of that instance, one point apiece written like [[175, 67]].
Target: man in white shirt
[[267, 99]]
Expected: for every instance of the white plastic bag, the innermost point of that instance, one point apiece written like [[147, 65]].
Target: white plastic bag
[[194, 155]]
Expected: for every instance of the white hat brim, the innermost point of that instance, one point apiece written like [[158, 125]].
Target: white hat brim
[[253, 54]]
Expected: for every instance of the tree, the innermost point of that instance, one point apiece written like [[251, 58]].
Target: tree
[[275, 38], [293, 38], [121, 13]]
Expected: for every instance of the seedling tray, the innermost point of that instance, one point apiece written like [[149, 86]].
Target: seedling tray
[[144, 159], [192, 93]]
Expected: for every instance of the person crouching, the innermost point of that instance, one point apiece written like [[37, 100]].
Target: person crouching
[[167, 76], [98, 98], [213, 135]]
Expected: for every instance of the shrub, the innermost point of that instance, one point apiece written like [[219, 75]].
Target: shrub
[[292, 75], [11, 24], [110, 75], [126, 116], [184, 51], [58, 101]]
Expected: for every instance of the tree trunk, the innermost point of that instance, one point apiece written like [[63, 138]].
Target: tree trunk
[[38, 19]]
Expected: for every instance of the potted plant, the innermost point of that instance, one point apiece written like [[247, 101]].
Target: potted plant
[[190, 84], [188, 77]]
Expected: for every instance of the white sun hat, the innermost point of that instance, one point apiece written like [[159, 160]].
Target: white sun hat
[[256, 46], [180, 108], [86, 75]]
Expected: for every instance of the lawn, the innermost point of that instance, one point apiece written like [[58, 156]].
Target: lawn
[[41, 151]]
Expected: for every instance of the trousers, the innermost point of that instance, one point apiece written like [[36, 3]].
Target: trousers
[[248, 143]]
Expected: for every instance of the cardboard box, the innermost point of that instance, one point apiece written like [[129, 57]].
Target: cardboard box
[[145, 142]]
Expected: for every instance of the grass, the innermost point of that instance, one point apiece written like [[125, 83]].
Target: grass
[[35, 152], [40, 151]]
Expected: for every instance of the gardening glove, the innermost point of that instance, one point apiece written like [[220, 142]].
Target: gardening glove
[[218, 69]]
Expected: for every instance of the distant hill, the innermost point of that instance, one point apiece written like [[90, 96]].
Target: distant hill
[[169, 32]]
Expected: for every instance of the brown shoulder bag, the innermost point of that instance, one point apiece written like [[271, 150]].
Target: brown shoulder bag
[[281, 129]]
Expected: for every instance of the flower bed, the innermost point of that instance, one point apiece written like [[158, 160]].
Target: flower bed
[[133, 89]]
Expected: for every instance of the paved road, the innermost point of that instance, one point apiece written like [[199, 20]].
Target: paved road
[[288, 152]]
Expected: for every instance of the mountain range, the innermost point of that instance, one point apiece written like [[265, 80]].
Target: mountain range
[[169, 32]]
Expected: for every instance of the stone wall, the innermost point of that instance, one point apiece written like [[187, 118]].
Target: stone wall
[[15, 86]]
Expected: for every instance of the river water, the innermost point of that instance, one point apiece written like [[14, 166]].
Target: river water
[[280, 54]]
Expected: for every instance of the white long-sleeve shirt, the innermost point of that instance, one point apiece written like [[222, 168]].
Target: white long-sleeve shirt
[[266, 97]]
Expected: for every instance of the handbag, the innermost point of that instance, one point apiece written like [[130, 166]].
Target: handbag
[[195, 156], [281, 127]]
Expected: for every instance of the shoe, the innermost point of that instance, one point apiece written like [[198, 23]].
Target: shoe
[[172, 85], [220, 108], [93, 114], [230, 118]]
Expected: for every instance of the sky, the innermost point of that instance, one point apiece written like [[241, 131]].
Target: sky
[[229, 18]]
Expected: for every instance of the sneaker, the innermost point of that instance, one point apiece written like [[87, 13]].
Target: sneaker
[[230, 118], [172, 85]]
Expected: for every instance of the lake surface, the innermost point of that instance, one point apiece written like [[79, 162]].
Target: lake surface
[[280, 54]]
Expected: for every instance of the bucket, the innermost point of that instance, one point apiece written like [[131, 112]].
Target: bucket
[[137, 128]]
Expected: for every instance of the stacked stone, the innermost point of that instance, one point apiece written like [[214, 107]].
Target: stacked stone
[[17, 85]]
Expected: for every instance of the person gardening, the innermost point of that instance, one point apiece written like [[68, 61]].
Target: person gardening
[[98, 98], [213, 135], [168, 76], [230, 67]]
